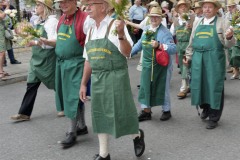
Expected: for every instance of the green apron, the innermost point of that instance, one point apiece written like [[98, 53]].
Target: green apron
[[208, 67], [235, 56], [113, 108], [42, 63], [69, 70], [182, 36], [152, 92]]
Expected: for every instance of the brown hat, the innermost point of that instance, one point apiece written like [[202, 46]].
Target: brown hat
[[153, 4], [215, 2], [182, 2], [48, 3], [231, 3], [156, 11]]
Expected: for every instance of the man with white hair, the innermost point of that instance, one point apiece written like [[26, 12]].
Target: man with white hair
[[113, 109]]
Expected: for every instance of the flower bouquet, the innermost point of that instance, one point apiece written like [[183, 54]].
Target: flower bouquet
[[235, 23], [26, 31], [12, 15], [186, 18], [149, 35], [120, 7]]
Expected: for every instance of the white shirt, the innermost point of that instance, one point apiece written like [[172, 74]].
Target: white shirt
[[207, 21], [100, 32], [50, 27]]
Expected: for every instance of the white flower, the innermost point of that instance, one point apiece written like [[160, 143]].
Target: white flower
[[12, 15], [7, 11], [14, 11]]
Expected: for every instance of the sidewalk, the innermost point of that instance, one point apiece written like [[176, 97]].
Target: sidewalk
[[18, 72]]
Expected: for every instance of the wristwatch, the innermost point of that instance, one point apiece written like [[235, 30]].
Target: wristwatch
[[122, 38]]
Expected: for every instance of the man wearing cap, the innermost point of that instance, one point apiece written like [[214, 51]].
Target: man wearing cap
[[206, 51], [43, 60], [198, 10], [113, 109], [155, 91], [167, 13], [182, 29], [72, 27], [233, 53]]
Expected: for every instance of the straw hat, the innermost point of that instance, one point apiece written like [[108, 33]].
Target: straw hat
[[155, 11], [215, 2], [164, 4], [197, 5], [48, 3], [153, 4], [182, 2], [231, 3]]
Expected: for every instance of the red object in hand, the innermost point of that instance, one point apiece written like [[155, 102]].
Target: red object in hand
[[162, 57]]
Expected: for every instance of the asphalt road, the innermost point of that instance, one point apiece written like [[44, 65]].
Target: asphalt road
[[183, 137]]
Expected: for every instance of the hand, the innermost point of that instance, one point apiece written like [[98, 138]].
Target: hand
[[30, 44], [185, 61], [82, 93], [43, 41], [155, 44], [120, 27], [229, 33]]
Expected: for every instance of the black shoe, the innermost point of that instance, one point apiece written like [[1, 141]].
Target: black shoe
[[166, 116], [139, 144], [143, 116], [70, 140], [16, 62], [5, 64], [179, 72], [204, 113], [82, 131], [138, 86], [212, 124], [98, 157]]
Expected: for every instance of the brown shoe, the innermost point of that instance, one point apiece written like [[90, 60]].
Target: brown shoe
[[60, 114], [182, 95], [230, 70], [20, 117]]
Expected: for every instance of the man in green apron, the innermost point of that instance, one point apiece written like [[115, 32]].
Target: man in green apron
[[43, 60], [69, 68], [206, 50], [233, 53], [182, 28], [113, 109]]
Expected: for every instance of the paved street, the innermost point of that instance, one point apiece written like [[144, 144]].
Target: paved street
[[183, 137]]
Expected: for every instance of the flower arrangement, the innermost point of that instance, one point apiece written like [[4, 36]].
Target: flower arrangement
[[120, 7], [26, 31], [149, 34], [236, 23], [12, 15]]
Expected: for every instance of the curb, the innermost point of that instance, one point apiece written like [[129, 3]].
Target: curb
[[13, 79]]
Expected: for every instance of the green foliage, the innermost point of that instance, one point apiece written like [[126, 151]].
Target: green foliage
[[120, 7]]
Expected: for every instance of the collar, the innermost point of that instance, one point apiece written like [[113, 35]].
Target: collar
[[208, 21], [106, 21], [153, 29]]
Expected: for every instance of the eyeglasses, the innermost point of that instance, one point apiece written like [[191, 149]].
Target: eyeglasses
[[91, 4]]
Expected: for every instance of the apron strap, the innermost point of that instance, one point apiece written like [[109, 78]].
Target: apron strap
[[109, 27]]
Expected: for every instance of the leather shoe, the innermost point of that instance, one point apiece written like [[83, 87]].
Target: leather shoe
[[204, 113], [212, 124], [143, 116], [82, 131], [98, 157], [16, 62], [166, 116], [70, 140], [139, 144]]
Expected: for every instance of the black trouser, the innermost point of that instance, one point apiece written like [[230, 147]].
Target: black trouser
[[214, 114], [139, 34], [29, 99]]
